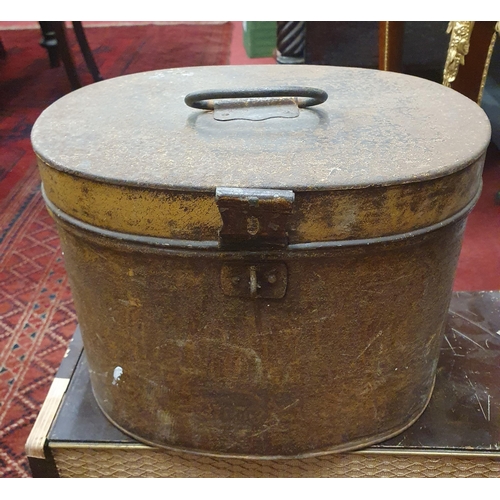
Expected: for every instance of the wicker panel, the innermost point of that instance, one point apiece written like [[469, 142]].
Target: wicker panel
[[120, 462]]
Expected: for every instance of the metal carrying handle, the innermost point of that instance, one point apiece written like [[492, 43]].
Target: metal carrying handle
[[204, 99]]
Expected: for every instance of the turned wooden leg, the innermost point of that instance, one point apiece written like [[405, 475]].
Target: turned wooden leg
[[87, 53], [49, 42], [65, 53]]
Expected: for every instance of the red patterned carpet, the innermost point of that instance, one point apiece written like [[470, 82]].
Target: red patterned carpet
[[36, 321], [36, 313]]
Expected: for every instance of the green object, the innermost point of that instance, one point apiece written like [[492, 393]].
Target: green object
[[259, 38]]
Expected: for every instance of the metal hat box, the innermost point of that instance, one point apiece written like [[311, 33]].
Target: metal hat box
[[262, 257]]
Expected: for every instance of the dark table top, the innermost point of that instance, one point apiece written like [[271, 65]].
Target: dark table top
[[462, 417]]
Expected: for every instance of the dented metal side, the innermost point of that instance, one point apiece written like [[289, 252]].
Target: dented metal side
[[344, 358]]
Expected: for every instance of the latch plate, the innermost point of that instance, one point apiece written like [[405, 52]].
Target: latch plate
[[260, 280], [255, 109], [253, 219]]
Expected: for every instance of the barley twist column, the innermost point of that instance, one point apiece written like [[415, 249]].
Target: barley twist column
[[291, 42]]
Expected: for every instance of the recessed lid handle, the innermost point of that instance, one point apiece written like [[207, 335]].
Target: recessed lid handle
[[307, 96]]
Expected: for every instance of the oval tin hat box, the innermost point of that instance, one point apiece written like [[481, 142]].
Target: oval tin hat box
[[261, 258]]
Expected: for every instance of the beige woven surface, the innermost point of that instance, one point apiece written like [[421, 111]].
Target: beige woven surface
[[122, 462]]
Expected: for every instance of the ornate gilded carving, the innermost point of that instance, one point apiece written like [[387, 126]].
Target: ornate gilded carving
[[460, 32], [488, 60]]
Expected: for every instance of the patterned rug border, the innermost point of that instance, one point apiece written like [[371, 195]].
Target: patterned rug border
[[37, 321]]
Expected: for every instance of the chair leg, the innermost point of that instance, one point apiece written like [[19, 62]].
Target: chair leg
[[49, 42], [87, 53], [64, 51]]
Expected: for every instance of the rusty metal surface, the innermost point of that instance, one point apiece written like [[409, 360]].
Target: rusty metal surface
[[462, 417], [254, 218], [320, 370], [262, 288], [376, 128], [385, 154], [317, 216]]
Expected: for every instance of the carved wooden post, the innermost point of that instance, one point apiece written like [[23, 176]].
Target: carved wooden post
[[472, 43], [291, 42]]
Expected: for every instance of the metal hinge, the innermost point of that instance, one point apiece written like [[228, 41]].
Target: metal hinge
[[253, 219]]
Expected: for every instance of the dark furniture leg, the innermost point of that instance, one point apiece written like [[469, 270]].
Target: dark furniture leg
[[65, 53], [87, 53], [49, 42], [55, 40]]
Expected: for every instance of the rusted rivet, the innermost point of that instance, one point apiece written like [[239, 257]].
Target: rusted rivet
[[236, 280], [271, 278]]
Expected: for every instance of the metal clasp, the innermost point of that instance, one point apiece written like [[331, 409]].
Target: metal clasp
[[259, 280], [253, 219]]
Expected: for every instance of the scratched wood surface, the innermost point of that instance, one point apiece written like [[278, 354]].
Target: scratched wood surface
[[464, 412], [463, 415]]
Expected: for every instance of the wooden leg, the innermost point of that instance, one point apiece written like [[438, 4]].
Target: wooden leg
[[390, 49], [65, 53], [87, 53], [49, 42]]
